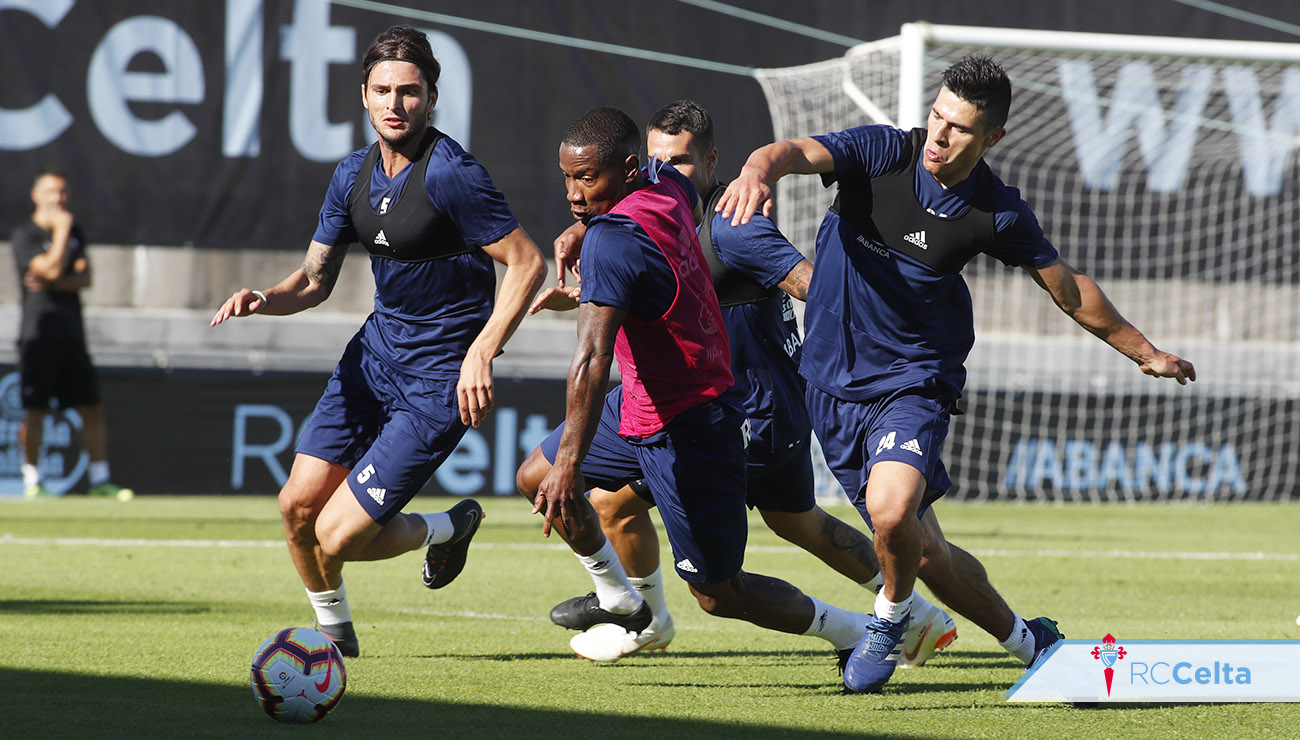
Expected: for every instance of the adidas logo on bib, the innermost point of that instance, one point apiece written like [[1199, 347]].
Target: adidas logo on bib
[[382, 240], [917, 238]]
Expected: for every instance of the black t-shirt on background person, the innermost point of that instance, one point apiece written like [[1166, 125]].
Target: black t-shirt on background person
[[47, 314]]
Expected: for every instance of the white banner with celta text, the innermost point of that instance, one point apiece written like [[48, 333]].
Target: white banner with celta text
[[1115, 670]]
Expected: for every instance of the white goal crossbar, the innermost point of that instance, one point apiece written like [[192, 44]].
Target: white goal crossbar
[[916, 37]]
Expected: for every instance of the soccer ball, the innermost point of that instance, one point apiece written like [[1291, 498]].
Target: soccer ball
[[298, 675]]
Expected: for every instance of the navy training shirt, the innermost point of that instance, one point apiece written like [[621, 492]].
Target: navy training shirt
[[426, 313], [764, 336], [878, 325]]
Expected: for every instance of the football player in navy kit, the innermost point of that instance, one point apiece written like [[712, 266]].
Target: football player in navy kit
[[648, 300], [889, 324], [755, 272], [419, 371]]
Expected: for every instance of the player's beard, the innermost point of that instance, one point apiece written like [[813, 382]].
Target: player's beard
[[402, 139], [413, 132]]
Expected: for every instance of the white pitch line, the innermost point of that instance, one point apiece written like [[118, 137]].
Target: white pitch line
[[9, 539], [704, 625], [1151, 555], [468, 615]]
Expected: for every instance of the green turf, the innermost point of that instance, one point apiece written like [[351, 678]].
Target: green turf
[[146, 640]]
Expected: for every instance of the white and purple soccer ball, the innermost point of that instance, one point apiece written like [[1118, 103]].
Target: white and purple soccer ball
[[298, 675]]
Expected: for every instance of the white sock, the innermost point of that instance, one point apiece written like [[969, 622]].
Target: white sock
[[1021, 641], [440, 528], [31, 475], [331, 606], [840, 627], [920, 607], [651, 588], [875, 584], [612, 589], [892, 611], [98, 472]]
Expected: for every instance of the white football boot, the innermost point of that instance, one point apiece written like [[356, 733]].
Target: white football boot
[[607, 643], [928, 632]]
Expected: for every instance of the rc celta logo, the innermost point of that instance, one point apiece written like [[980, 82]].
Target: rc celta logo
[[1164, 671], [1108, 653]]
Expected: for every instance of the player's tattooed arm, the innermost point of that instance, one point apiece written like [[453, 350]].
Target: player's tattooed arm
[[323, 264], [304, 288], [796, 281]]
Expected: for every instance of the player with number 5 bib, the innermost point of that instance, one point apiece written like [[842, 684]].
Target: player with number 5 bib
[[419, 371]]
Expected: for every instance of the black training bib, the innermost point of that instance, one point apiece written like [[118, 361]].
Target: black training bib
[[412, 229], [887, 212]]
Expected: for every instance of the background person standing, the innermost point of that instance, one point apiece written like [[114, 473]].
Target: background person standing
[[50, 257]]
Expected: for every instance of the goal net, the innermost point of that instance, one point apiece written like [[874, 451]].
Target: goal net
[[1164, 168]]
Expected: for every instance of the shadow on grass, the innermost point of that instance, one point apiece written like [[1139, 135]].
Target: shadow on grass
[[978, 659], [751, 657], [712, 660], [53, 705], [64, 607], [958, 658]]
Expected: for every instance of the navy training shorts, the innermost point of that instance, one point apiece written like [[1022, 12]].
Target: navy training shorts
[[695, 469], [904, 428], [390, 429], [784, 485]]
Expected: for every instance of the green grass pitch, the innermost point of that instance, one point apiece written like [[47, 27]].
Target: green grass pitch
[[138, 620]]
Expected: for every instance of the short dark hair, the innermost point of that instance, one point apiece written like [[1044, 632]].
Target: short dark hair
[[49, 171], [403, 44], [980, 81], [610, 130], [684, 115]]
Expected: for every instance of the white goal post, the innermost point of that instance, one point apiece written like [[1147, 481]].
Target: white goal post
[[1166, 168]]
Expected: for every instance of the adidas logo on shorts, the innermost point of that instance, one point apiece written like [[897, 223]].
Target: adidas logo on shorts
[[377, 494], [685, 565], [912, 446]]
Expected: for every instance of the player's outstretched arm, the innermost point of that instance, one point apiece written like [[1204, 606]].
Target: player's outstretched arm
[[304, 288], [556, 298], [525, 271], [568, 250], [561, 490], [1082, 299], [568, 253], [752, 188]]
